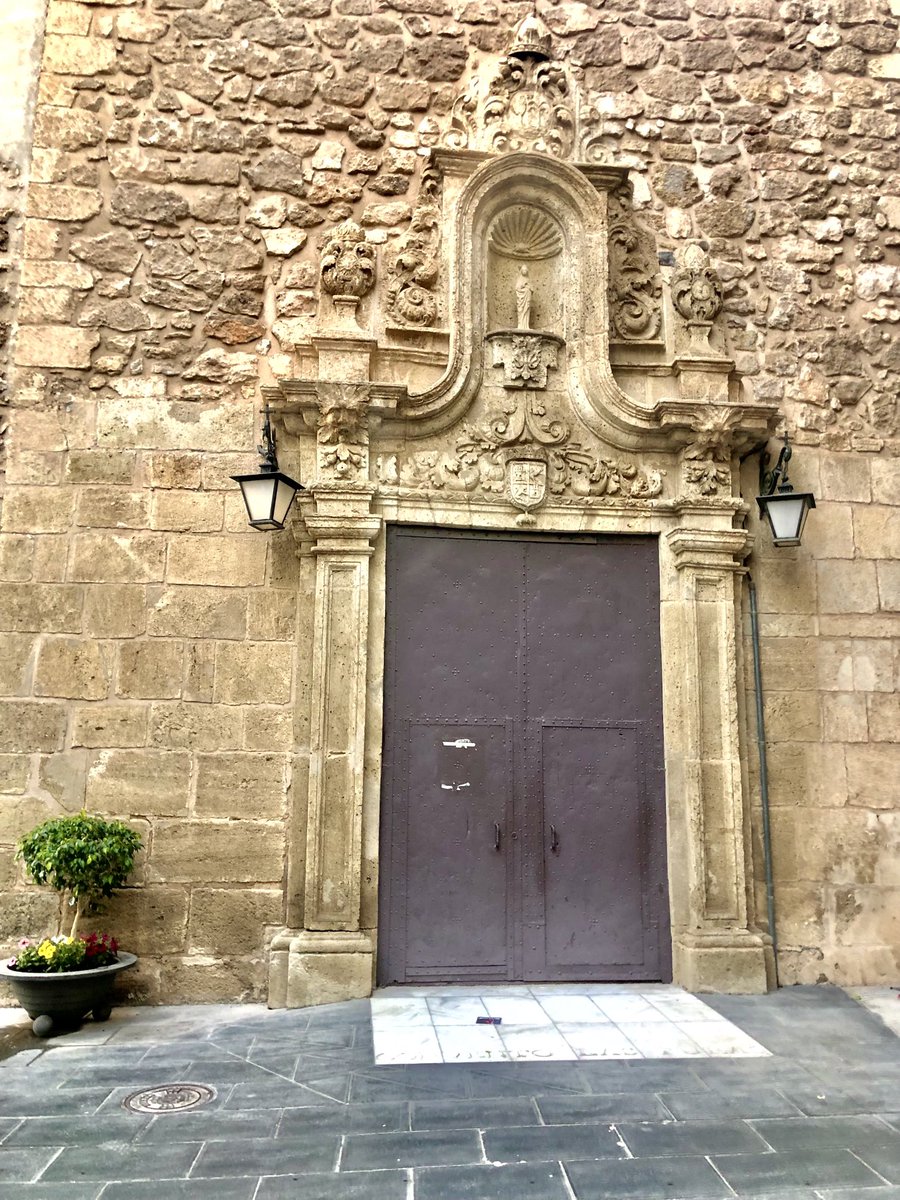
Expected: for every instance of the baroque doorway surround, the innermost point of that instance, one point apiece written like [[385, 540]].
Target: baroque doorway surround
[[526, 364]]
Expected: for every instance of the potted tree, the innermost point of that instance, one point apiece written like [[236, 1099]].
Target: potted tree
[[60, 979]]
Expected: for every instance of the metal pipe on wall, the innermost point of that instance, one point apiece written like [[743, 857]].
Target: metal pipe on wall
[[763, 773]]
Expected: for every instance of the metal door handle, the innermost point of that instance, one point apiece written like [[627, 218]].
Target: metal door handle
[[554, 840], [496, 836]]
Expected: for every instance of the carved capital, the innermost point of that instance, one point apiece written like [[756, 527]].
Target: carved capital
[[719, 549], [343, 432]]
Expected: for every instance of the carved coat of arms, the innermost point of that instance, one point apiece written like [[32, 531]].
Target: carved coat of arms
[[527, 483]]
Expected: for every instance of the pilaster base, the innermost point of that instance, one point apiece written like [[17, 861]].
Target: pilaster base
[[739, 964], [307, 968]]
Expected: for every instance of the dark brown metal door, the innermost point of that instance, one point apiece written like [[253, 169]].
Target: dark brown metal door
[[523, 817]]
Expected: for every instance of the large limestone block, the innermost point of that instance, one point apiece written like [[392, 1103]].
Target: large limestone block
[[328, 978], [99, 726], [31, 914], [241, 785], [866, 916], [200, 612], [16, 650], [16, 557], [793, 716], [41, 607], [845, 477], [217, 852], [19, 816], [195, 726], [150, 920], [230, 921], [873, 772], [139, 782], [886, 481], [69, 54], [114, 610], [253, 673], [58, 202], [112, 508], [26, 726], [118, 558], [64, 776], [272, 614], [877, 530], [151, 422], [150, 670], [37, 509], [884, 718], [847, 586], [845, 717], [73, 668], [221, 559], [14, 769], [187, 512], [201, 980]]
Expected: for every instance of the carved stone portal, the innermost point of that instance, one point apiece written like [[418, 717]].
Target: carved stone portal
[[527, 424]]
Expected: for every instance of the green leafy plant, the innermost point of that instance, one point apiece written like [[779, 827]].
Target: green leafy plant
[[85, 858]]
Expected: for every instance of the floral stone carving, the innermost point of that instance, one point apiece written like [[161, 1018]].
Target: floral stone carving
[[696, 288], [413, 271], [525, 356], [526, 454], [348, 262]]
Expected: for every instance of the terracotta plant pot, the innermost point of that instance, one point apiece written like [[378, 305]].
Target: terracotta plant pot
[[59, 1001]]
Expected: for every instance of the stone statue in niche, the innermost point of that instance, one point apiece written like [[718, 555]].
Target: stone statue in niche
[[523, 238], [524, 294]]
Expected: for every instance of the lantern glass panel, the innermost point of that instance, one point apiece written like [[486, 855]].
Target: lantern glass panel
[[284, 494], [786, 513], [259, 496]]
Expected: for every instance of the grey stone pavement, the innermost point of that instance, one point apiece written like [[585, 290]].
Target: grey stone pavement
[[302, 1111]]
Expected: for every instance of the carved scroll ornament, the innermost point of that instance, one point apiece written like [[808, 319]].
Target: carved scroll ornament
[[524, 453], [634, 285], [413, 271]]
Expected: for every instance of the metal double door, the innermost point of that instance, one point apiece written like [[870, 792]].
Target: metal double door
[[523, 813]]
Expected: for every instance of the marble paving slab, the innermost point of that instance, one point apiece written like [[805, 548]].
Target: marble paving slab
[[551, 1023]]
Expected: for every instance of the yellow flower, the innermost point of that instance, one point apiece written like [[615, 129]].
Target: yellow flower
[[47, 950]]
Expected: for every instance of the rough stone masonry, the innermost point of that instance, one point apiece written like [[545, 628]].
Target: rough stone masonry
[[187, 159]]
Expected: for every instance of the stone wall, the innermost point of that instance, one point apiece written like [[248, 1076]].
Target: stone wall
[[188, 158]]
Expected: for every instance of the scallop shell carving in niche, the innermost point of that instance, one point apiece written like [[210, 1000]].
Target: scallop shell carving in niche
[[525, 233]]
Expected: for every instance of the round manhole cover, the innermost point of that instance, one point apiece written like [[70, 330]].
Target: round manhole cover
[[170, 1097]]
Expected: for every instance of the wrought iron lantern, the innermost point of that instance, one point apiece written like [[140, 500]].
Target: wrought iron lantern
[[269, 493], [784, 509]]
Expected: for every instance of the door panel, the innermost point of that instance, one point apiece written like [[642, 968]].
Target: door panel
[[593, 869], [456, 821], [522, 692]]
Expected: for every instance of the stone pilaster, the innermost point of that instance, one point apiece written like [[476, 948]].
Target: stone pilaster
[[331, 959], [714, 949]]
